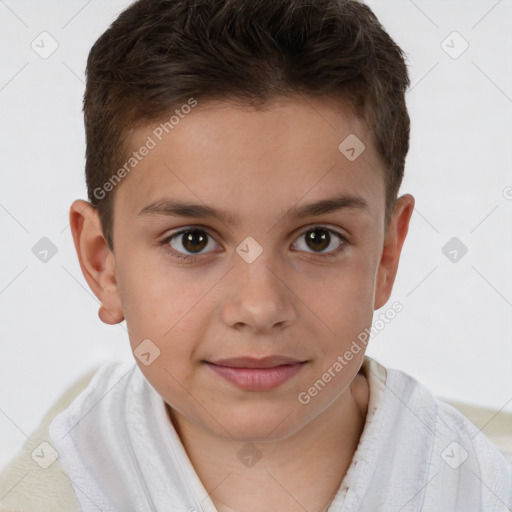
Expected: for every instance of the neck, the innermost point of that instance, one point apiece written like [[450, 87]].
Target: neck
[[301, 472]]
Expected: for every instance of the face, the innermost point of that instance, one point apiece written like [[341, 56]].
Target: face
[[240, 313]]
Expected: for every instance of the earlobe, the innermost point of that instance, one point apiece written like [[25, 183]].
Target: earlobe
[[108, 317], [394, 240], [96, 260]]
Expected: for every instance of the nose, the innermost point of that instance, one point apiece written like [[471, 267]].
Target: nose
[[259, 298]]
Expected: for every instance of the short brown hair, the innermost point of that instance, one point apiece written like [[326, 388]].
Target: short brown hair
[[160, 53]]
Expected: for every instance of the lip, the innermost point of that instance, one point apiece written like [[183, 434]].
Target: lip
[[252, 374], [254, 362]]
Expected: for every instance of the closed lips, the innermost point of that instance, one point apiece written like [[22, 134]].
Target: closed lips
[[250, 362]]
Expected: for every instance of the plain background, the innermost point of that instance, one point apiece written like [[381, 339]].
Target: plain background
[[454, 333]]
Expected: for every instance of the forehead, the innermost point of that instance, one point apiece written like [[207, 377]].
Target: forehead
[[224, 154]]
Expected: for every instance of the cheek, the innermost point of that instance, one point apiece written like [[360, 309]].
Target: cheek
[[153, 294], [166, 307], [343, 300]]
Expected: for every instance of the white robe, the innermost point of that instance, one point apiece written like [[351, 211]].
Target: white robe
[[416, 453]]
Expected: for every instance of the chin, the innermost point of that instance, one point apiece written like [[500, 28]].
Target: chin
[[259, 423]]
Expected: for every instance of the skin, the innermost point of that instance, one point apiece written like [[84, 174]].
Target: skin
[[292, 300]]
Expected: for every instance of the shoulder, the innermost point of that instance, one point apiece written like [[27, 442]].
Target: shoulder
[[495, 424], [484, 425], [488, 431], [464, 449], [34, 479], [462, 454]]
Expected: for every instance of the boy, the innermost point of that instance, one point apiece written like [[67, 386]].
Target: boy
[[243, 165]]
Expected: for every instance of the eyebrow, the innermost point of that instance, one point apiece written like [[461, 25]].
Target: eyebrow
[[175, 208]]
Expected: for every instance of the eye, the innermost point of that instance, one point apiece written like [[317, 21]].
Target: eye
[[319, 238], [189, 243], [193, 240]]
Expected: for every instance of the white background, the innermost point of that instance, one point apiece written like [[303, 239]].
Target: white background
[[454, 334]]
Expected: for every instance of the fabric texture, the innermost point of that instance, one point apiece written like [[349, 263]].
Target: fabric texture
[[118, 452], [25, 485]]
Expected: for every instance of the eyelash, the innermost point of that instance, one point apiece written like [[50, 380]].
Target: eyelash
[[189, 258]]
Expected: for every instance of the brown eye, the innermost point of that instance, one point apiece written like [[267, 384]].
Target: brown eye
[[194, 241], [318, 239], [189, 241]]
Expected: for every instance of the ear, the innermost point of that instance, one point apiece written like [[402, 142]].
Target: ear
[[393, 242], [96, 260]]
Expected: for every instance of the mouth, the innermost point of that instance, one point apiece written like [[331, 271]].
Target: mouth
[[253, 362], [252, 374]]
